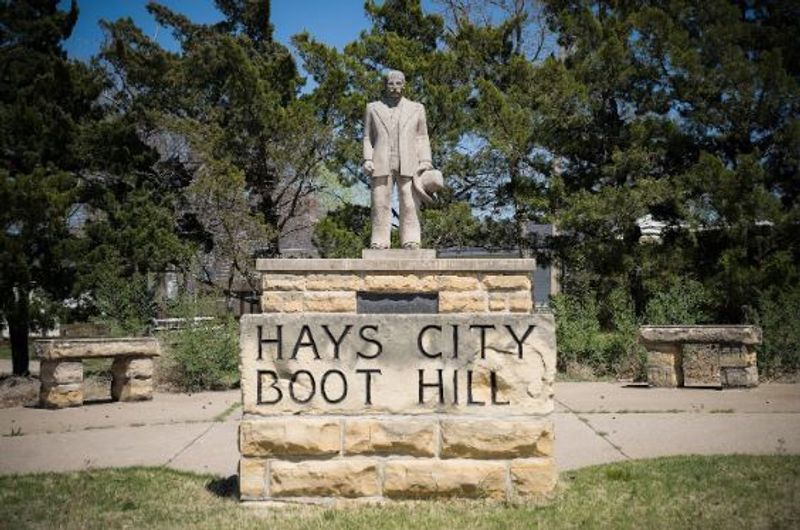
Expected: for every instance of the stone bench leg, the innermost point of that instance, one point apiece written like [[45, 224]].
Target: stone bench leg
[[664, 366], [734, 376], [61, 384], [132, 379]]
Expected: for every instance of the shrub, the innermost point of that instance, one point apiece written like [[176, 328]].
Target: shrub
[[127, 304], [778, 317], [204, 356], [581, 339], [577, 328], [343, 232], [683, 302]]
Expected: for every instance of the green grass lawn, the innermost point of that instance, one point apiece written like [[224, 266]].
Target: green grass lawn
[[5, 350], [679, 492]]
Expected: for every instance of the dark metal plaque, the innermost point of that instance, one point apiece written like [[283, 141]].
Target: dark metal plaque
[[401, 303]]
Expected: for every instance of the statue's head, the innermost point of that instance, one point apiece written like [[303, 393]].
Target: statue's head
[[394, 82]]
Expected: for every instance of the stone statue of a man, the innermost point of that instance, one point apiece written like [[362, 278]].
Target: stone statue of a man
[[397, 150]]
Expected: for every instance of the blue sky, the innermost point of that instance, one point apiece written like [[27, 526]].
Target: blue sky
[[334, 22]]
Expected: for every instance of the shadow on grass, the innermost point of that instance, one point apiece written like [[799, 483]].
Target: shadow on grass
[[224, 487]]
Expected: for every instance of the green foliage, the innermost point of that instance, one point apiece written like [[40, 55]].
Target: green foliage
[[686, 111], [450, 226], [44, 101], [128, 303], [191, 305], [778, 318], [582, 339], [683, 303], [204, 356], [577, 329], [343, 232], [230, 98], [589, 115]]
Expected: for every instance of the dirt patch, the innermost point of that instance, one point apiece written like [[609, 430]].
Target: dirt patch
[[18, 391]]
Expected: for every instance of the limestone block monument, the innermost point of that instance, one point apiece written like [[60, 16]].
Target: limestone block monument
[[397, 375]]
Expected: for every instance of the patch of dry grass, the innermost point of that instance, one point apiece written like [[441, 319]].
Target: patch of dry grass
[[677, 492]]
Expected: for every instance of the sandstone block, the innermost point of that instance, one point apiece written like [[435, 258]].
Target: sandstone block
[[507, 282], [740, 357], [333, 282], [666, 360], [85, 348], [700, 364], [132, 368], [458, 282], [399, 283], [662, 376], [61, 372], [520, 302], [333, 478], [282, 302], [61, 396], [252, 478], [510, 378], [330, 302], [289, 437], [702, 334], [496, 439], [498, 302], [534, 476], [131, 389], [395, 254], [389, 437], [283, 282], [425, 479], [740, 377], [394, 263], [463, 302]]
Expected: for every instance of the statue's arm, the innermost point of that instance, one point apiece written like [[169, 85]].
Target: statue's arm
[[367, 135], [423, 142], [368, 166]]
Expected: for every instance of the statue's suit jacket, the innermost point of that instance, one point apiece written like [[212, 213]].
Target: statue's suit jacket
[[415, 147]]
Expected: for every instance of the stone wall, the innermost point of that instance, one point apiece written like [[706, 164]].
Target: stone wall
[[459, 292], [315, 427], [716, 356], [395, 458]]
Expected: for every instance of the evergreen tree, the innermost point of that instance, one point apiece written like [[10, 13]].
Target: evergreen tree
[[251, 149], [690, 113], [44, 99], [85, 201]]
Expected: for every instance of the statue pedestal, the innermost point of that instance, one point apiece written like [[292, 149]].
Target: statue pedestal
[[396, 376], [422, 254]]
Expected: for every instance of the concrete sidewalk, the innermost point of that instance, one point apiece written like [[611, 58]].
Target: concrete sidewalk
[[595, 423]]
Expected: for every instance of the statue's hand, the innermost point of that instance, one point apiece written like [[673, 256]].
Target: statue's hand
[[368, 167], [423, 167]]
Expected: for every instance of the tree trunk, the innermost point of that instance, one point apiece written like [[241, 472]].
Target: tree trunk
[[18, 326]]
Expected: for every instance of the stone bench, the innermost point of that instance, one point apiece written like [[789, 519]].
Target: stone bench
[[707, 356], [61, 371]]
